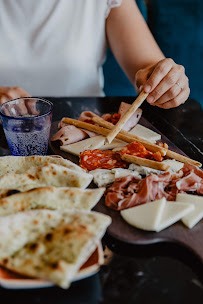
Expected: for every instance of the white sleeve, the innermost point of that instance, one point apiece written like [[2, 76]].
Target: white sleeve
[[111, 4]]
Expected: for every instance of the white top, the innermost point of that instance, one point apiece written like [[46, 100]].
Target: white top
[[54, 47]]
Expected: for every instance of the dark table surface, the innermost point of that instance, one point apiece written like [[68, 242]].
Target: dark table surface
[[159, 273]]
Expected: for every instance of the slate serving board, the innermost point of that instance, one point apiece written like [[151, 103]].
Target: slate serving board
[[192, 239]]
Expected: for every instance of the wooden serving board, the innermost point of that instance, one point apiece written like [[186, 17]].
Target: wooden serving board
[[192, 239]]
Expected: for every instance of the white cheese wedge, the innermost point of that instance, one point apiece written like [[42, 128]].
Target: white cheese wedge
[[192, 218], [102, 177], [120, 172], [146, 216], [115, 144], [145, 133], [175, 165], [96, 142], [173, 212]]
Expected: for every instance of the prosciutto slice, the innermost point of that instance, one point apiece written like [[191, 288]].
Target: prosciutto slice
[[192, 179], [130, 191]]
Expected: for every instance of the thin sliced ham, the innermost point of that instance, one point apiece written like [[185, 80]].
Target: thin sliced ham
[[86, 115], [129, 191], [192, 179], [131, 123], [69, 134], [132, 191], [89, 133]]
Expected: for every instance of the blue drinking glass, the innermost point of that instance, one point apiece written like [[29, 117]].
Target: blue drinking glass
[[26, 123]]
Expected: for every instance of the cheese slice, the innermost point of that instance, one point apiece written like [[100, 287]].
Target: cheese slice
[[96, 142], [102, 177], [191, 219], [146, 216], [144, 170], [145, 133], [120, 172], [173, 212], [175, 165]]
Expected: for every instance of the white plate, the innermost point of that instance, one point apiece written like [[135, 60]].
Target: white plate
[[10, 280]]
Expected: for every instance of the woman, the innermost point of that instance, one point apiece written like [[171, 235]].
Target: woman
[[57, 48]]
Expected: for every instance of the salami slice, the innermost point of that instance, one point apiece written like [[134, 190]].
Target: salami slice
[[137, 149], [114, 118], [97, 159]]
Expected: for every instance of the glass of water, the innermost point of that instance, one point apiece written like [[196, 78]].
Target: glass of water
[[26, 123]]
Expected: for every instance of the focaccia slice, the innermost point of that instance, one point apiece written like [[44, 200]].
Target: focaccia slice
[[51, 198], [21, 164], [58, 253], [49, 175]]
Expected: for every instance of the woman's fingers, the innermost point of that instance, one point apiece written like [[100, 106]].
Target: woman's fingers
[[167, 83], [9, 93], [160, 71], [172, 92], [176, 101]]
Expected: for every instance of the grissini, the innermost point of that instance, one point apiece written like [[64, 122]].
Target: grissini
[[145, 162], [104, 131], [148, 145], [135, 105], [182, 158]]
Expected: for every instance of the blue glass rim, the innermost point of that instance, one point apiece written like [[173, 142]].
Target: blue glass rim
[[22, 118]]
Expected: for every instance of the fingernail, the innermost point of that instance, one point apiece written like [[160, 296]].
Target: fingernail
[[147, 88], [141, 88], [150, 99]]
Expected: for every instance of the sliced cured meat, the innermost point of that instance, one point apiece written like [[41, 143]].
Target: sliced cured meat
[[69, 134], [192, 179], [114, 118], [61, 124], [133, 119], [128, 191], [86, 115], [137, 149], [97, 159], [106, 116], [89, 133], [131, 191], [188, 182]]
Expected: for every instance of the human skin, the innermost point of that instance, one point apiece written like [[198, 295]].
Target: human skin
[[142, 60], [140, 57], [9, 93]]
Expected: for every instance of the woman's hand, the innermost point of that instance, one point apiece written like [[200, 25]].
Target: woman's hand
[[9, 93], [166, 82]]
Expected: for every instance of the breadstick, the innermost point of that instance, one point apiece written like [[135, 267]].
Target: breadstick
[[104, 131], [147, 144], [138, 101], [182, 158], [145, 162]]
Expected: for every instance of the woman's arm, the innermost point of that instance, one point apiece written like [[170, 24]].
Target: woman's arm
[[142, 60]]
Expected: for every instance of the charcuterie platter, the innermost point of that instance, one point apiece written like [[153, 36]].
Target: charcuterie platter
[[177, 233]]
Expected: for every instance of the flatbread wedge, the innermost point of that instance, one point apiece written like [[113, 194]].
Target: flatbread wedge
[[49, 175], [63, 242], [21, 164], [51, 198]]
